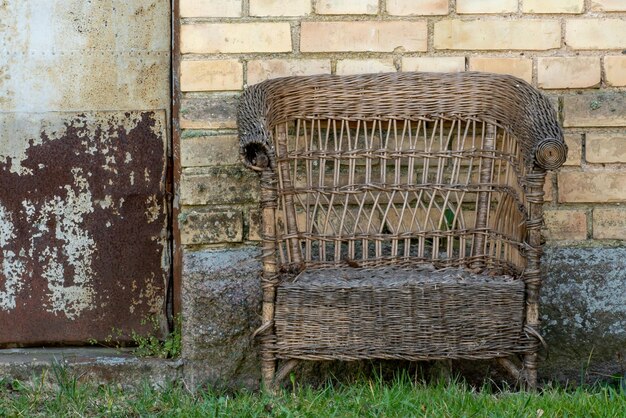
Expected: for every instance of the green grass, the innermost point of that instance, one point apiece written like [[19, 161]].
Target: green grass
[[365, 398]]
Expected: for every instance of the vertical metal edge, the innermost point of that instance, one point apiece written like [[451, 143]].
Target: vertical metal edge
[[175, 288]]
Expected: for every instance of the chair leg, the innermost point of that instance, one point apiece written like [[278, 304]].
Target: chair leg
[[284, 370], [530, 371], [511, 368]]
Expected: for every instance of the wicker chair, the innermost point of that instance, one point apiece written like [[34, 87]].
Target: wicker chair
[[401, 216]]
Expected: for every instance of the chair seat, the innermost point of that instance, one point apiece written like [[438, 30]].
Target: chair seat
[[413, 313]]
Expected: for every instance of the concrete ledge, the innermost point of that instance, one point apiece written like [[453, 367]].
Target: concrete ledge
[[96, 365]]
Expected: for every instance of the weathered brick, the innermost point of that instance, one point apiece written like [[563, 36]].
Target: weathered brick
[[210, 38], [363, 36], [609, 223], [280, 8], [615, 70], [492, 34], [548, 187], [606, 148], [608, 5], [255, 224], [565, 225], [435, 64], [219, 185], [210, 8], [346, 7], [595, 33], [214, 75], [607, 108], [365, 66], [206, 151], [519, 67], [568, 72], [417, 7], [218, 111], [574, 149], [553, 6], [592, 186], [259, 70], [486, 6], [211, 227]]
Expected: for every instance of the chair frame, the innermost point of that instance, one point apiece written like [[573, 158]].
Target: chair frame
[[498, 102]]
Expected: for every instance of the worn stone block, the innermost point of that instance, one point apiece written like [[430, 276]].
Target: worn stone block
[[228, 38], [213, 75], [595, 33], [365, 66], [519, 67], [206, 151], [568, 72], [280, 8], [210, 8], [221, 296], [486, 6], [375, 36], [609, 223], [608, 5], [346, 7], [553, 6], [434, 64], [265, 69], [592, 186], [606, 108], [417, 7], [536, 34], [565, 225], [210, 227], [548, 187], [615, 70], [606, 148], [216, 111], [255, 224], [583, 310], [219, 185]]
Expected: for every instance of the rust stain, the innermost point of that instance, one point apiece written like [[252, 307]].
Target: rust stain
[[83, 237]]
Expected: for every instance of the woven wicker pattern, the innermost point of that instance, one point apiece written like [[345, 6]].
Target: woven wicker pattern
[[401, 214]]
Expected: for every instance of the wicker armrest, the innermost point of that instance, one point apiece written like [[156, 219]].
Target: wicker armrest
[[502, 99]]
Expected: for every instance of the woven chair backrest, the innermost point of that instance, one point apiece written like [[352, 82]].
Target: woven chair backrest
[[386, 190]]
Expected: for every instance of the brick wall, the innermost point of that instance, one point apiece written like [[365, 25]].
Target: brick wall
[[574, 50]]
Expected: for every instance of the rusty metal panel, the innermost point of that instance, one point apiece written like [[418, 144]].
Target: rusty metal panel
[[83, 224]]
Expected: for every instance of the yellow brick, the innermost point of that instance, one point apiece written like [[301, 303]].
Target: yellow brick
[[609, 223], [417, 7], [280, 7], [606, 148], [615, 70], [346, 7], [486, 6], [363, 36], [602, 186], [434, 64], [259, 70], [210, 8], [604, 108], [535, 34], [565, 225], [210, 38], [548, 187], [553, 6], [574, 149], [214, 75], [608, 5], [200, 227], [568, 72], [207, 151], [595, 33], [519, 67], [365, 66]]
